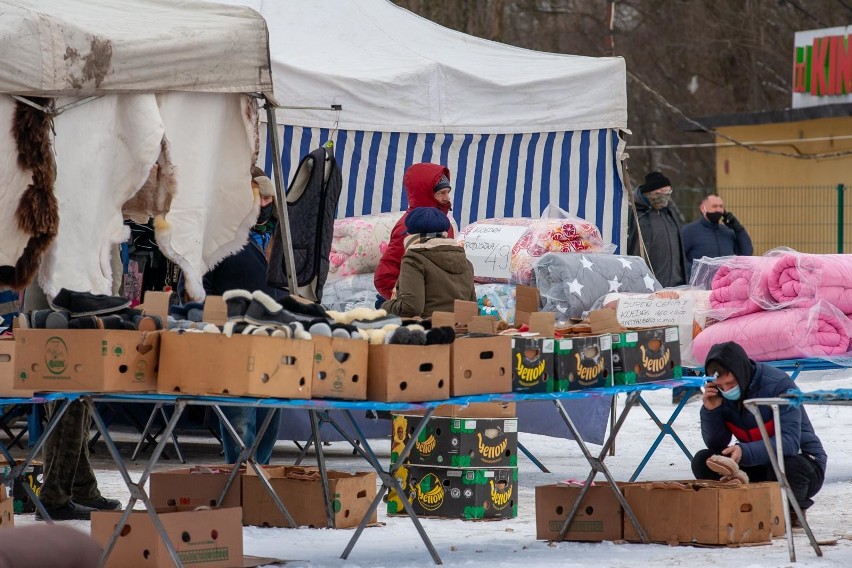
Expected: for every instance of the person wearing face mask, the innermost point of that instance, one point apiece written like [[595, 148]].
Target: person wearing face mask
[[246, 270], [716, 233], [723, 416], [654, 232]]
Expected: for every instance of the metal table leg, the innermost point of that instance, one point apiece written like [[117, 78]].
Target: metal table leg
[[247, 456], [17, 469], [598, 466], [776, 457], [389, 481], [137, 491], [329, 509], [665, 430]]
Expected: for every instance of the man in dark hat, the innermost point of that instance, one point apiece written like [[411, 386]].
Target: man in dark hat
[[723, 415], [654, 231]]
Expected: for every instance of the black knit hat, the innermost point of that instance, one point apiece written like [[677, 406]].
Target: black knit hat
[[442, 183], [653, 181], [426, 220]]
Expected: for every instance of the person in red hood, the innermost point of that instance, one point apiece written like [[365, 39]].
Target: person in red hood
[[428, 185]]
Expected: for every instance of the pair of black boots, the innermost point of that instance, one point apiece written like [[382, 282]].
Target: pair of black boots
[[84, 310]]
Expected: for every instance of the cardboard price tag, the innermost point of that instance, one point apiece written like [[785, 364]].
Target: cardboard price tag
[[489, 249], [641, 312]]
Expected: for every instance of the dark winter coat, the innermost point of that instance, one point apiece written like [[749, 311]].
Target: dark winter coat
[[703, 238], [433, 275], [661, 232], [245, 270], [757, 380], [419, 182]]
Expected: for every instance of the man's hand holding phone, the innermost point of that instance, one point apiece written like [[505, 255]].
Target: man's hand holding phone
[[711, 398]]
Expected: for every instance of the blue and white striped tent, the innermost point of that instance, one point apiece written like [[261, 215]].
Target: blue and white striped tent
[[518, 129]]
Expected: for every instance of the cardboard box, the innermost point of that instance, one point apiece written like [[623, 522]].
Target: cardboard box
[[300, 489], [481, 365], [7, 370], [583, 362], [242, 365], [646, 355], [212, 538], [72, 360], [194, 487], [598, 518], [7, 509], [458, 442], [408, 373], [776, 512], [532, 364], [495, 409], [700, 512], [457, 493], [33, 476], [340, 368]]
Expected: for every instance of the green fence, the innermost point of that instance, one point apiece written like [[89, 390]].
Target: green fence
[[805, 218]]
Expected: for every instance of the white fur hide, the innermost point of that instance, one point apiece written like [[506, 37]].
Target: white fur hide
[[13, 183], [213, 206], [104, 153]]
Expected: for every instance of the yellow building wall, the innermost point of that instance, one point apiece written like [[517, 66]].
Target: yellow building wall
[[785, 201]]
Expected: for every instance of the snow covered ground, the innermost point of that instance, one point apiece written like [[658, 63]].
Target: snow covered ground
[[512, 543]]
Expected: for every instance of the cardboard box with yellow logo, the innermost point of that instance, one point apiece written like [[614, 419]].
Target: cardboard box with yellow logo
[[459, 442], [583, 362], [646, 355], [533, 364], [457, 493]]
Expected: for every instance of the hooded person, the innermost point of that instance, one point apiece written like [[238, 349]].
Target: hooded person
[[434, 272], [247, 268], [427, 185], [723, 416], [245, 272], [654, 232]]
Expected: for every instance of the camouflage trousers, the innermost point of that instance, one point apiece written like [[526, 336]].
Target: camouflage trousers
[[68, 474]]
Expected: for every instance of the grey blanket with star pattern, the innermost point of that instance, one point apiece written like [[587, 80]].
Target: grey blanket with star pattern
[[570, 283]]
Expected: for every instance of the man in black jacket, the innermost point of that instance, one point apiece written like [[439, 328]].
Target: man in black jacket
[[656, 237], [724, 417], [716, 233]]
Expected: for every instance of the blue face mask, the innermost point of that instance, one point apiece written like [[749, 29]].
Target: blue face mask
[[733, 394]]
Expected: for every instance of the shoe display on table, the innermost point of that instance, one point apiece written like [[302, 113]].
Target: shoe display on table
[[71, 511]]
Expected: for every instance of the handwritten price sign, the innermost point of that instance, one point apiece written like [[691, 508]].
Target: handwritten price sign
[[639, 312], [489, 249]]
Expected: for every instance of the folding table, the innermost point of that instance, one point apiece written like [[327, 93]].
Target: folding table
[[839, 397], [17, 469]]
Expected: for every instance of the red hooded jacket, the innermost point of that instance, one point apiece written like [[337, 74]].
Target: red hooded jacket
[[419, 181]]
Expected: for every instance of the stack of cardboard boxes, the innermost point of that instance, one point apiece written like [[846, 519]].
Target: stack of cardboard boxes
[[463, 463], [674, 512]]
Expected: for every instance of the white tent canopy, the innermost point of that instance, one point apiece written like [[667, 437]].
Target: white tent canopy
[[94, 47], [395, 72]]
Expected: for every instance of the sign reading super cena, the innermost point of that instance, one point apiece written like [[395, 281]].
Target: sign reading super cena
[[822, 67]]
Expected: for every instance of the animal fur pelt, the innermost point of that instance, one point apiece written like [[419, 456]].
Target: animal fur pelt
[[105, 151], [155, 196], [27, 173], [213, 205]]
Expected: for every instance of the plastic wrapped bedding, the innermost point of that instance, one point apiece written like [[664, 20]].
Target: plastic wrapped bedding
[[350, 292], [497, 299], [569, 234], [571, 283], [359, 242]]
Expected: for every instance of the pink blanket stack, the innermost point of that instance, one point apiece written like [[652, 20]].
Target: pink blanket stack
[[802, 279]]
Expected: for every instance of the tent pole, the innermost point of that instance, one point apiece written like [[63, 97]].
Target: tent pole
[[280, 198]]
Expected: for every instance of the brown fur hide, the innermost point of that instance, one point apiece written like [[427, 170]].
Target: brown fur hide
[[37, 212]]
